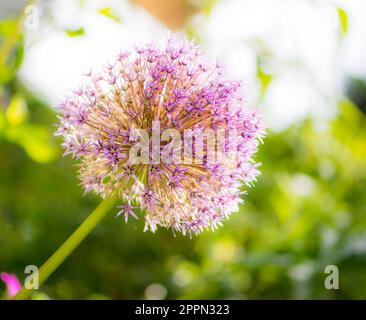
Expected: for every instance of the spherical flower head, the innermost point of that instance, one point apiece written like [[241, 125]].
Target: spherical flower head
[[167, 131]]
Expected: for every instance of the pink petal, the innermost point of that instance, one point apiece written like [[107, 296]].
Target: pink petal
[[12, 283]]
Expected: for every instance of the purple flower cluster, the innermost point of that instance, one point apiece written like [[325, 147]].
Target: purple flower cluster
[[173, 84]]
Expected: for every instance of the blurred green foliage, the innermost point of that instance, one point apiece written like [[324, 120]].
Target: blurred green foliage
[[110, 13], [307, 211], [75, 32], [343, 20]]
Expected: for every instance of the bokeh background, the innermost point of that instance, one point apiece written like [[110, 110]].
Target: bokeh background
[[303, 63]]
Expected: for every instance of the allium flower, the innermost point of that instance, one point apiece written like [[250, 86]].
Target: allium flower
[[173, 85], [12, 283]]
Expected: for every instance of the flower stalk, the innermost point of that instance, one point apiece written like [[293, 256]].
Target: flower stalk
[[70, 244]]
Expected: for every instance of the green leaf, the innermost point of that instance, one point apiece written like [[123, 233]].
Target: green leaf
[[8, 27], [18, 59], [264, 78], [2, 120], [350, 113], [35, 140], [108, 12], [6, 73], [17, 111], [343, 19], [75, 32]]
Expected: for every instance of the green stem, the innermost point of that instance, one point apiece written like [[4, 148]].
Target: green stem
[[70, 244]]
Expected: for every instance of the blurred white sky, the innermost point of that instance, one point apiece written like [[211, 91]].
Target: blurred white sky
[[298, 41], [55, 63]]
